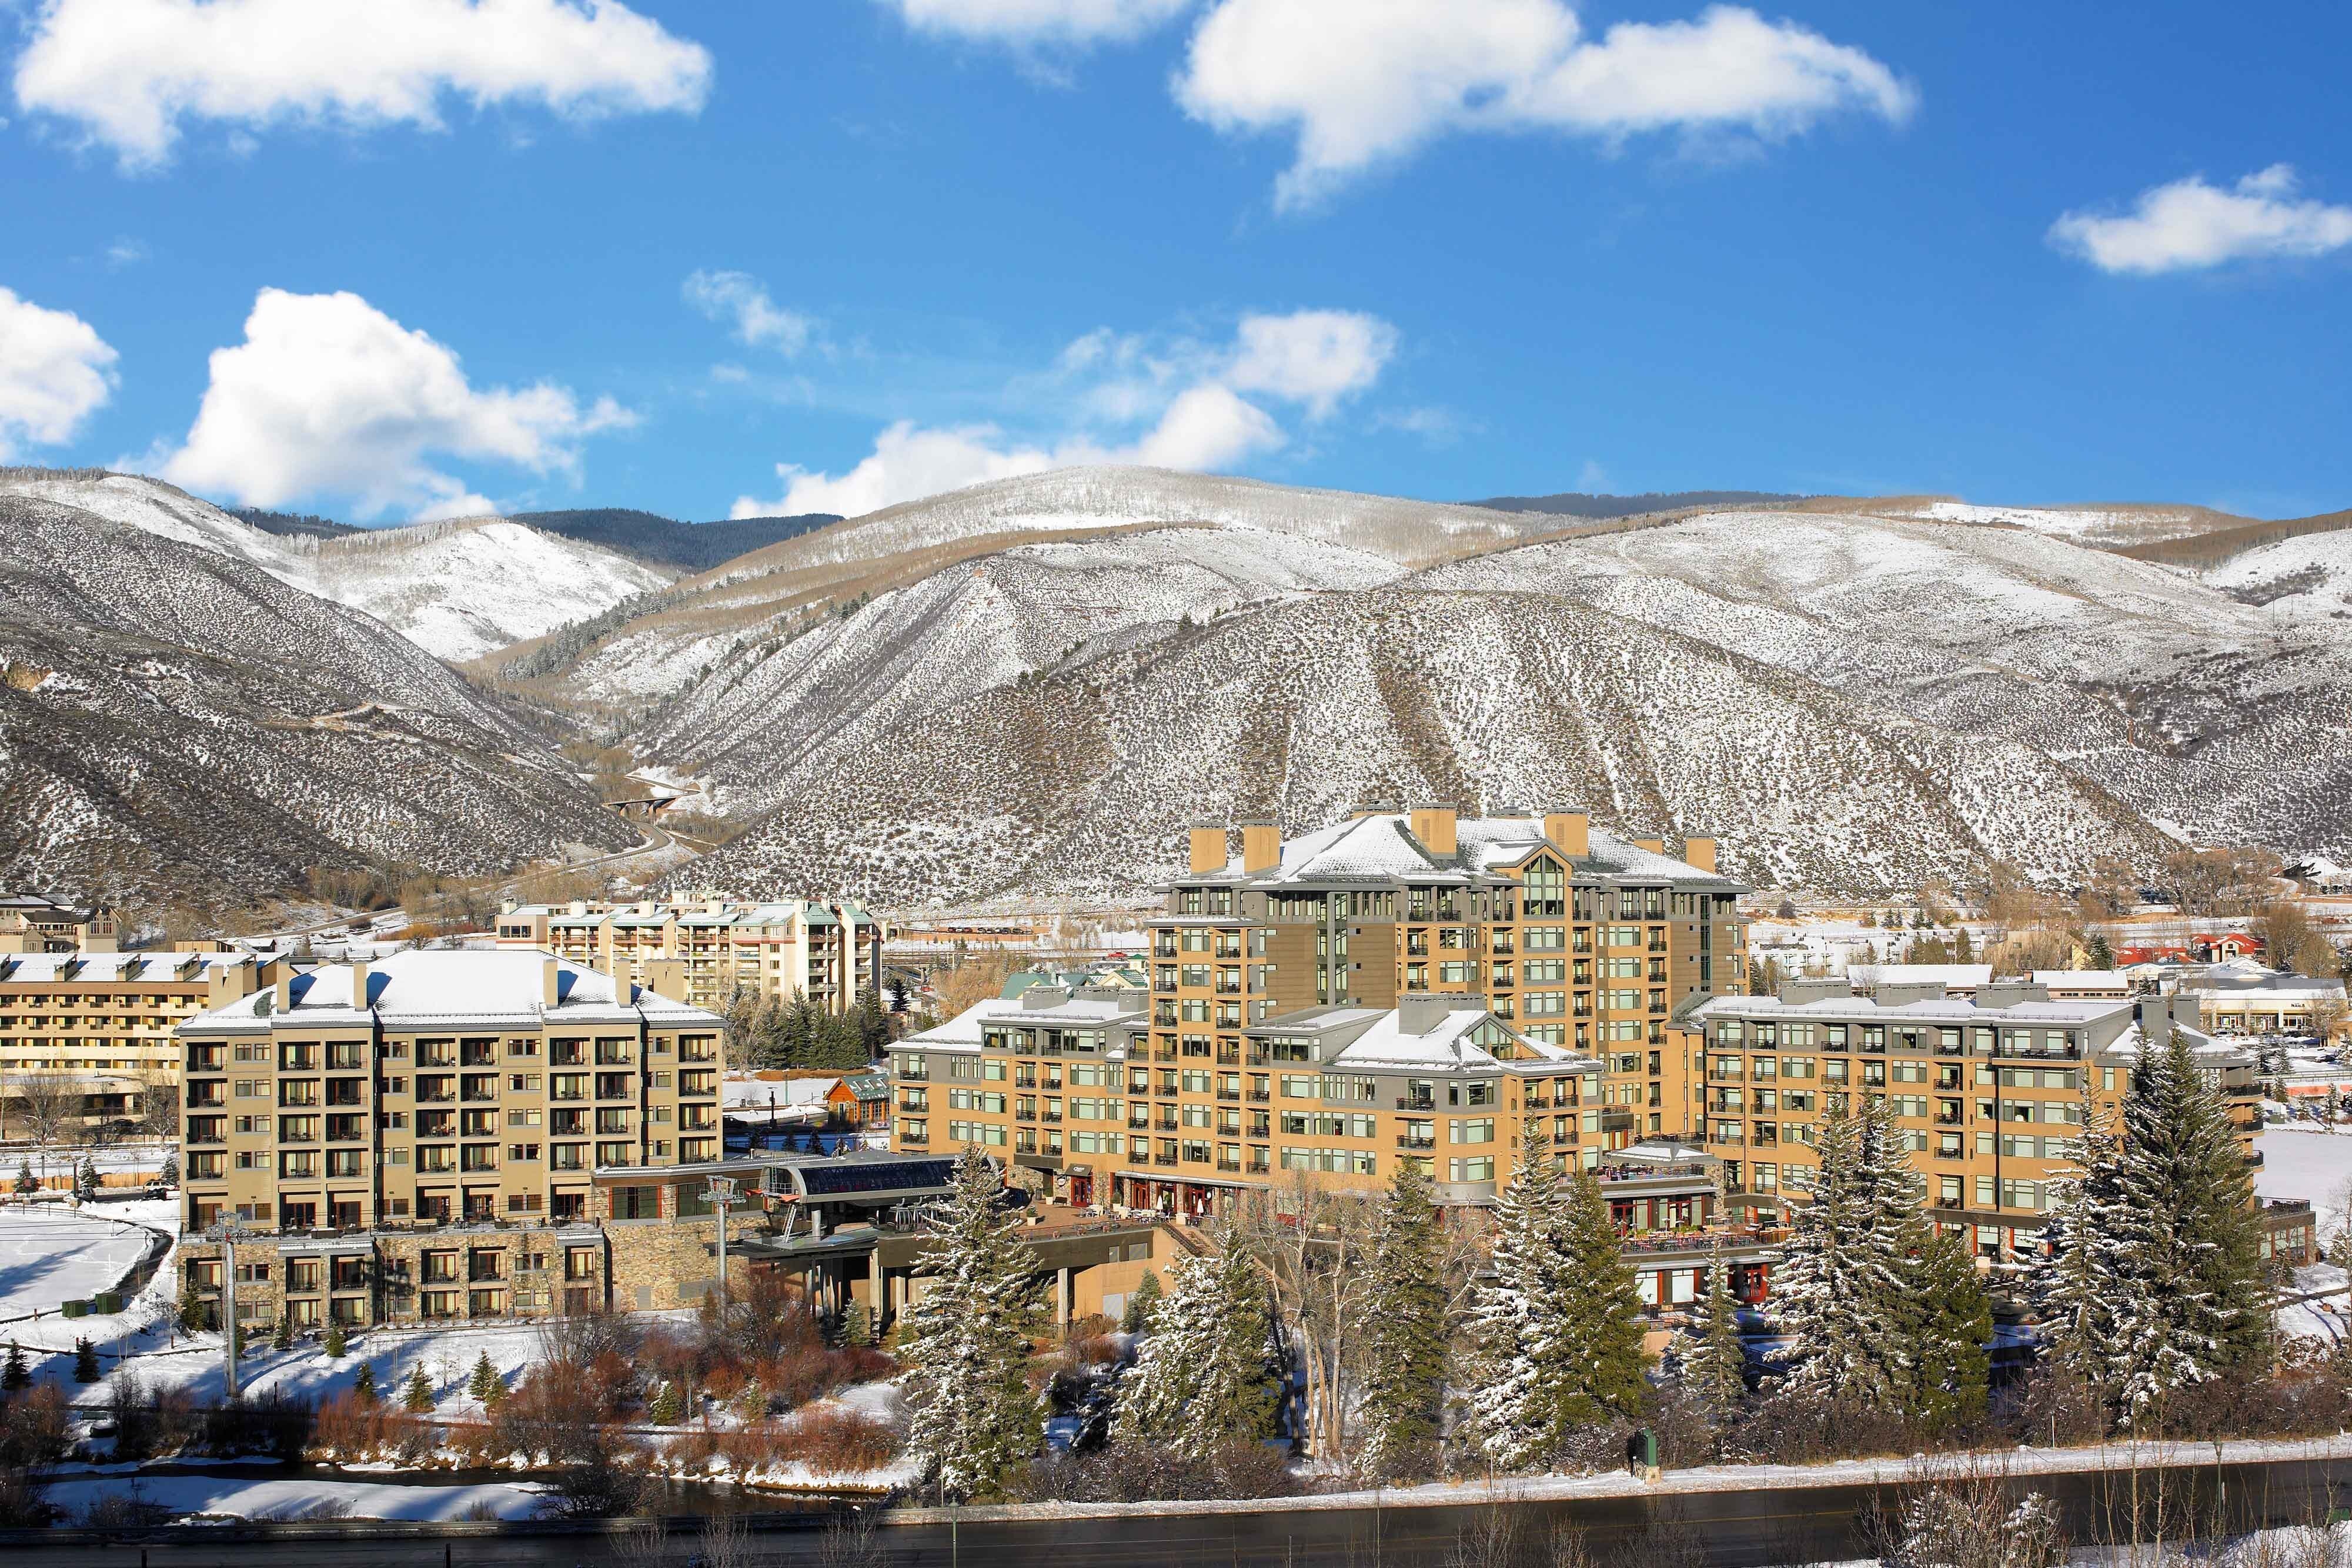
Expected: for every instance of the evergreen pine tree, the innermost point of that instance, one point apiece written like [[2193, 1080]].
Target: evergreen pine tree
[[336, 1343], [1141, 1303], [2101, 955], [26, 1183], [363, 1386], [873, 1026], [856, 1326], [417, 1395], [1517, 1323], [2156, 1281], [965, 1343], [1207, 1373], [86, 1362], [1405, 1380], [15, 1374], [1602, 1322], [169, 1177], [1951, 1369], [1842, 1288], [1714, 1358], [192, 1308], [284, 1338], [86, 1180], [668, 1407], [1964, 947], [479, 1381]]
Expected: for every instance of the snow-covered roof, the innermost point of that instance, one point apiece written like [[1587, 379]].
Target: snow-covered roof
[[2070, 1012], [114, 968], [1446, 1046], [421, 989], [2113, 981], [2263, 987], [1957, 977]]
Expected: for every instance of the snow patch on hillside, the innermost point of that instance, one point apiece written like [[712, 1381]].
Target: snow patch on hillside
[[458, 590]]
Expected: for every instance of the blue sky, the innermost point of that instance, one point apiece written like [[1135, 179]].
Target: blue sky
[[556, 255]]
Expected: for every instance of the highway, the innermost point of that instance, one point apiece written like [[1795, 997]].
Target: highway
[[1746, 1528]]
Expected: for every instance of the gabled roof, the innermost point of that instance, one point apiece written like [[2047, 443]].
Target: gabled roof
[[423, 990], [1379, 848]]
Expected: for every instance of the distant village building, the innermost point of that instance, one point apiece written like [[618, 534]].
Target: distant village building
[[30, 922], [712, 948]]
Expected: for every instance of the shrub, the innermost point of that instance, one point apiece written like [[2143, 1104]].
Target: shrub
[[836, 1441]]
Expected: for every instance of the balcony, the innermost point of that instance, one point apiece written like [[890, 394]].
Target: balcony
[[1259, 1096], [1407, 1141], [1416, 1102]]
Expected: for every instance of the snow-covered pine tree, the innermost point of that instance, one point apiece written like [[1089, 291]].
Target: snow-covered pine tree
[[26, 1182], [2182, 1242], [1405, 1376], [1713, 1360], [1950, 1368], [668, 1407], [2071, 1294], [1517, 1321], [416, 1397], [1843, 1285], [972, 1417], [1207, 1374], [1601, 1325], [364, 1384]]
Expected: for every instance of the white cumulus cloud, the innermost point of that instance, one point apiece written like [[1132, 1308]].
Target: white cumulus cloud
[[741, 301], [328, 396], [1313, 356], [1033, 22], [2189, 225], [1360, 83], [129, 72], [1188, 393], [55, 371]]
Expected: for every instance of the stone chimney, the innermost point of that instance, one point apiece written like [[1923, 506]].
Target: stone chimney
[[1209, 847], [1699, 853], [1433, 826], [360, 973], [1571, 833], [550, 983], [1261, 846]]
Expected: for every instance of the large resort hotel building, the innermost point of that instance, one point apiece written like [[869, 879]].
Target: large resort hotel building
[[1988, 1089], [1402, 986], [710, 949]]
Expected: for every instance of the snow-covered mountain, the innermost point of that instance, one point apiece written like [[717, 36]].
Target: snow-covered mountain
[[1850, 701], [458, 590], [178, 724]]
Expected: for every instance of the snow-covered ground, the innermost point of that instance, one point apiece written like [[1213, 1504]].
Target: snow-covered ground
[[2307, 1164], [229, 1496], [195, 1366], [49, 1255]]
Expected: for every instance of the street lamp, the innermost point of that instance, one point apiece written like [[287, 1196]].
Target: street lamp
[[226, 1231], [721, 1197]]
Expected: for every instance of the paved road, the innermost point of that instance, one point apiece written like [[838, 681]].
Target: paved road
[[1737, 1529]]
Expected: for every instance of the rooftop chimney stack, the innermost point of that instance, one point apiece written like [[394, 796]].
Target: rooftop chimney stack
[[1699, 853], [552, 983], [360, 973], [1208, 845], [1433, 826], [1571, 833], [1261, 846], [1655, 846]]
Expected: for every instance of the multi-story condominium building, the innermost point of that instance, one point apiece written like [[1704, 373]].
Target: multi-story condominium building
[[104, 1019], [827, 953], [428, 1087], [1570, 936], [32, 923], [1069, 1090], [1990, 1091], [384, 1129]]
